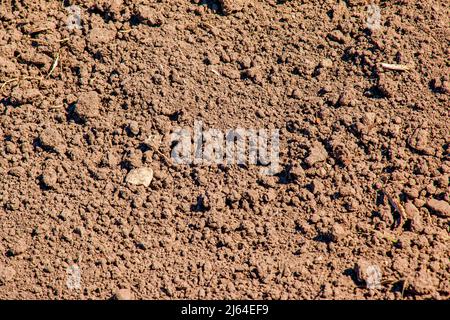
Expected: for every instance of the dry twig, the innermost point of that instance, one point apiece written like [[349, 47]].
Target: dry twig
[[395, 67]]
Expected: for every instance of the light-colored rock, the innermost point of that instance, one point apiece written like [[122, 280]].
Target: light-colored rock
[[141, 176], [326, 63], [123, 294]]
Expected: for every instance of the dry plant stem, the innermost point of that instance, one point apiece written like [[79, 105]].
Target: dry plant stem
[[54, 64], [395, 203], [395, 67], [18, 79]]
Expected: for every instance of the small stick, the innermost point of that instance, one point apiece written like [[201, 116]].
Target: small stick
[[396, 204], [405, 285], [36, 40], [54, 64], [125, 31], [395, 67], [56, 107], [17, 79], [8, 81], [215, 72], [39, 30]]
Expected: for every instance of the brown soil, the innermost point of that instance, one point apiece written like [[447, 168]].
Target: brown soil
[[364, 149]]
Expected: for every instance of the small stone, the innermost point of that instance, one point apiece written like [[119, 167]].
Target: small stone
[[123, 294], [419, 203], [141, 176], [440, 207], [317, 154], [212, 59], [369, 118], [245, 63], [297, 172], [17, 172], [7, 66], [79, 231], [317, 186], [347, 191], [65, 214], [327, 291], [253, 74], [149, 15], [412, 193], [134, 128], [326, 63], [386, 86], [296, 94]]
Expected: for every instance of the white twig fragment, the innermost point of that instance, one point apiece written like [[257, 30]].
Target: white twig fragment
[[54, 64], [395, 67]]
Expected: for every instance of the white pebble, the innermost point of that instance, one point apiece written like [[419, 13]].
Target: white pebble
[[141, 176]]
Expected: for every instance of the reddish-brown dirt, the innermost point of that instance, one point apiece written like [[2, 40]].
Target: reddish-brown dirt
[[364, 150]]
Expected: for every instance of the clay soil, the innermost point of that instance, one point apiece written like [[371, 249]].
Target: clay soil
[[363, 189]]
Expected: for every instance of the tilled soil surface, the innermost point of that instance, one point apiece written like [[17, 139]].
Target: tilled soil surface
[[363, 190]]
